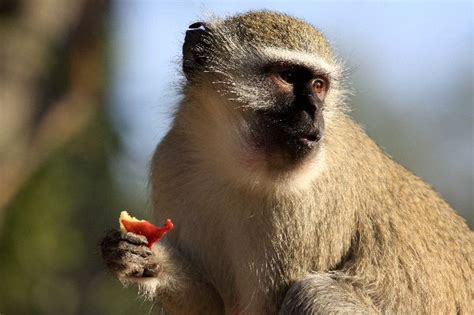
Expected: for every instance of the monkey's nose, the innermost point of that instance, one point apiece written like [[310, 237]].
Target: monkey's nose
[[308, 104]]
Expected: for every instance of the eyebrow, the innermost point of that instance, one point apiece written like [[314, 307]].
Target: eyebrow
[[309, 60]]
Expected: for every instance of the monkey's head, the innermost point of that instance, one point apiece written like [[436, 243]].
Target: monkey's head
[[264, 86]]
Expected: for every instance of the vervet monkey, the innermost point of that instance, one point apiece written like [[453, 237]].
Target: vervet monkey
[[281, 203]]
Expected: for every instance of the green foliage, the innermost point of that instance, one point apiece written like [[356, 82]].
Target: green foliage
[[50, 262]]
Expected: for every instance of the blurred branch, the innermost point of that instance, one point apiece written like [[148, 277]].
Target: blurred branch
[[33, 124]]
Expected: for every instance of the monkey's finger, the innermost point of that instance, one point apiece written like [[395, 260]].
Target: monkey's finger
[[134, 238], [142, 251], [116, 243], [124, 249], [141, 268], [127, 263], [113, 237]]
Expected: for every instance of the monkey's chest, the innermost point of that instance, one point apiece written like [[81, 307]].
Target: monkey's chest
[[249, 251], [261, 261]]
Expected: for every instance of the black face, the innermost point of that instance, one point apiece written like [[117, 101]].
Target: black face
[[294, 126]]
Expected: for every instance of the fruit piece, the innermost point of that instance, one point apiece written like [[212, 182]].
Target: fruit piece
[[143, 227]]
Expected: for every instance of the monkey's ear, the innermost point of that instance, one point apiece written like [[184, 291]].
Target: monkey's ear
[[194, 48]]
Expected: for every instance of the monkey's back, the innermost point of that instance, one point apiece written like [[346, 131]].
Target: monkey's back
[[412, 252]]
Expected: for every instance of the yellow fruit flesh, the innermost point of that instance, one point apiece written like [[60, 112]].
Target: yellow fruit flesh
[[125, 216]]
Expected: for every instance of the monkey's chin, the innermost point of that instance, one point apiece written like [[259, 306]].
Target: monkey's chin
[[269, 162], [290, 159], [279, 168]]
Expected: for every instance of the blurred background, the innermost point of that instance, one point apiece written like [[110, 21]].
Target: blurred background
[[85, 96]]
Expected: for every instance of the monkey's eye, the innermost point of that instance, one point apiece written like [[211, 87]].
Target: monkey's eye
[[319, 86], [289, 76]]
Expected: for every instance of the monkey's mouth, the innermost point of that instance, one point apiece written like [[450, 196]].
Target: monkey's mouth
[[310, 140], [292, 146], [288, 137]]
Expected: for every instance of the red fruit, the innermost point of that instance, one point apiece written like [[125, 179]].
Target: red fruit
[[143, 227]]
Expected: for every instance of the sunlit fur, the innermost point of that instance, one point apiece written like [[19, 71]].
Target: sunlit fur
[[347, 229]]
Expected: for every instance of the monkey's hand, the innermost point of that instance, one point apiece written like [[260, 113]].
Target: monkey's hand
[[160, 272], [127, 256], [325, 293]]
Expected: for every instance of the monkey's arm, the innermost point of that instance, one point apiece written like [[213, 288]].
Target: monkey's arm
[[325, 293], [160, 272]]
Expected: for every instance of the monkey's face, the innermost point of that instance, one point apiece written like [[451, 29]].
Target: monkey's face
[[281, 92], [292, 125]]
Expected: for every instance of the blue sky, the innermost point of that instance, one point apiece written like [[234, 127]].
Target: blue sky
[[410, 63]]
